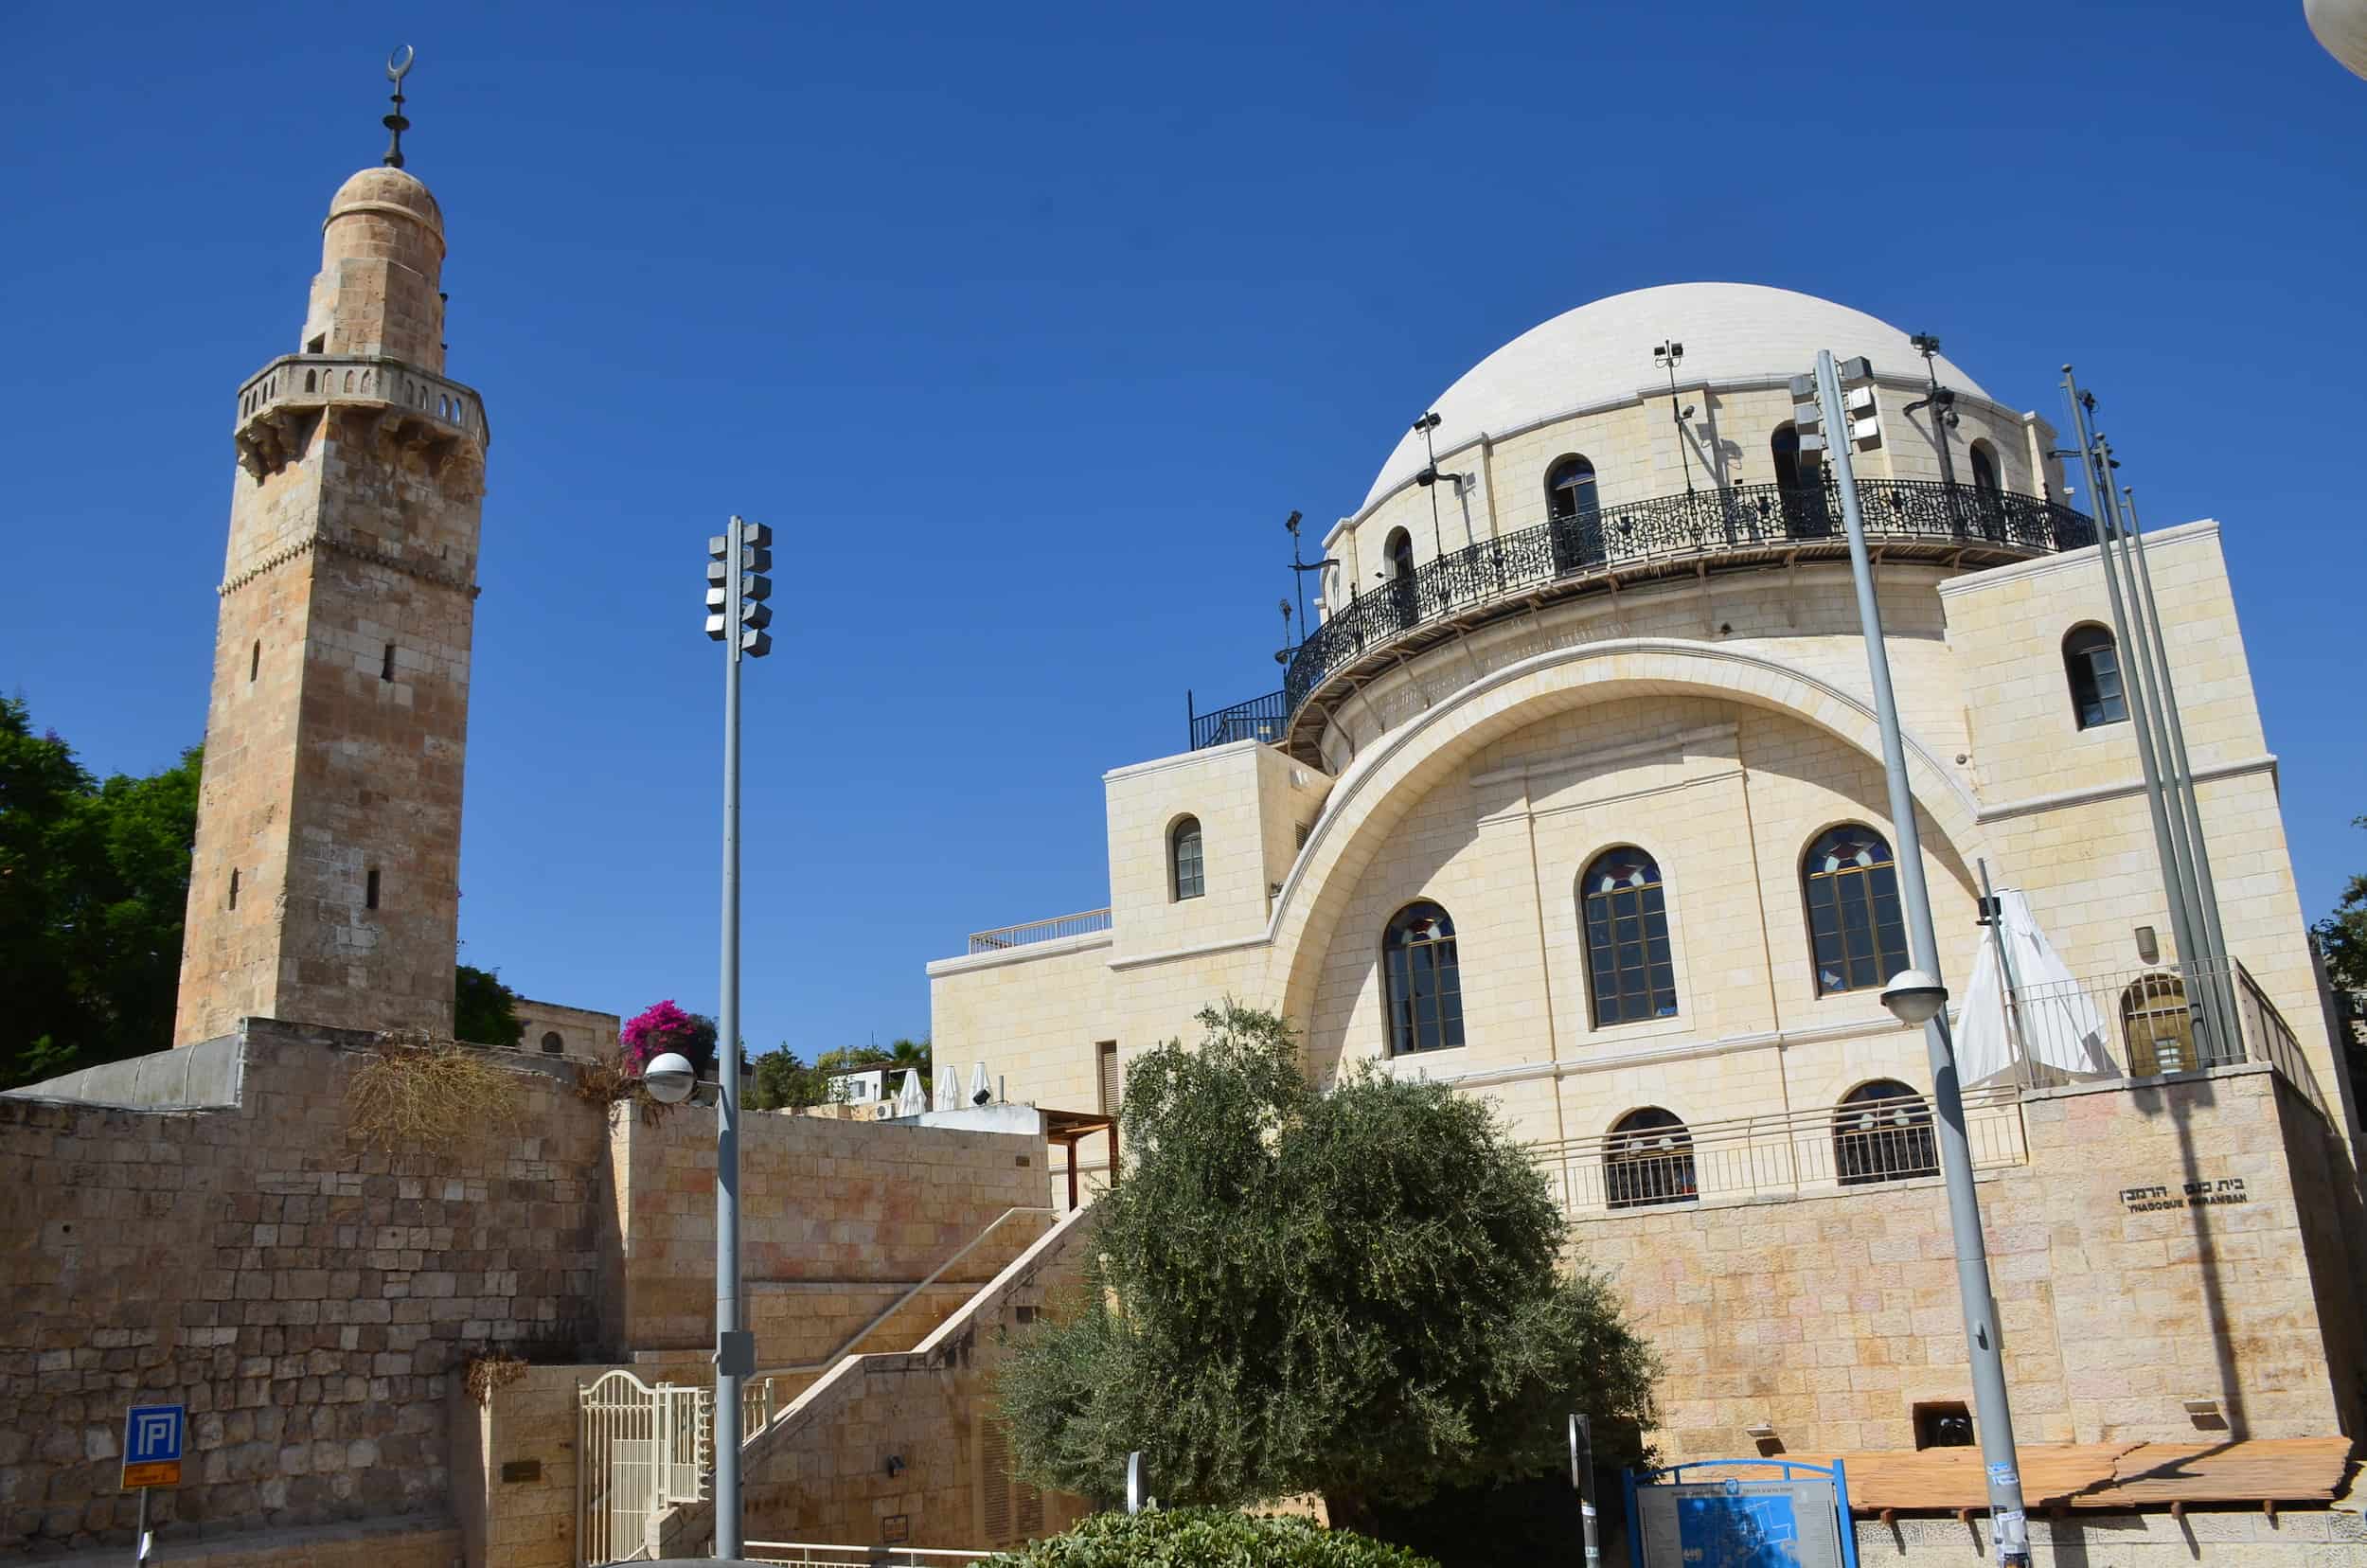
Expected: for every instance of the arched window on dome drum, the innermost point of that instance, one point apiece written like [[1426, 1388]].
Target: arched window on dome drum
[[1574, 513], [1800, 485], [1424, 981], [1792, 469], [1648, 1160], [1570, 489], [1627, 961], [1857, 934], [1883, 1133], [1184, 871], [1398, 554], [2158, 1026], [2092, 665], [1984, 469]]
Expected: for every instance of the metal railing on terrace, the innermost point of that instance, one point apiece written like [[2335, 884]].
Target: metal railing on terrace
[[1002, 937], [1742, 524], [1781, 1154], [821, 1555], [2109, 1029]]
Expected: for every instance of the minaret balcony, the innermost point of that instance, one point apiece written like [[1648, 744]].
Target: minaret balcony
[[280, 402], [1740, 527]]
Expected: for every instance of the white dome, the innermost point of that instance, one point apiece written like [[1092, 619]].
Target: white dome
[[1602, 354], [2341, 26]]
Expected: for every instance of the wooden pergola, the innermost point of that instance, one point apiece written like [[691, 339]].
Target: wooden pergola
[[1070, 1127]]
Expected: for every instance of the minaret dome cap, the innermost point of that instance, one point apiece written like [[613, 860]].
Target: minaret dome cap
[[392, 191]]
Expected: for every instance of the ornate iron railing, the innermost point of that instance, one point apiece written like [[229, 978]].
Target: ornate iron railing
[[1740, 520]]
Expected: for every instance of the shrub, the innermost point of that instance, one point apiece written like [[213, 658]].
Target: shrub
[[416, 1093], [1210, 1538], [666, 1027]]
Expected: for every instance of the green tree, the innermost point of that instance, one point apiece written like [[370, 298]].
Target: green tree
[[786, 1083], [484, 1011], [902, 1054], [1355, 1292], [93, 887], [2343, 939]]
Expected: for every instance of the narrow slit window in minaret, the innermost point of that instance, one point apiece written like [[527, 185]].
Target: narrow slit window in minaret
[[370, 890], [234, 890], [254, 660], [386, 665]]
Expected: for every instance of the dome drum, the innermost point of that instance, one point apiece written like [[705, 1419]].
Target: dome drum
[[1744, 527]]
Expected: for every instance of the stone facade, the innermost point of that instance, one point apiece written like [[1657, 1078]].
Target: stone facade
[[551, 1029], [1720, 721], [227, 1241], [1831, 1317], [325, 883], [305, 1297]]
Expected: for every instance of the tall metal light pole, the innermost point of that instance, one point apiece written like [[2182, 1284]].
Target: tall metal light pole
[[2178, 881], [737, 617], [1993, 1415]]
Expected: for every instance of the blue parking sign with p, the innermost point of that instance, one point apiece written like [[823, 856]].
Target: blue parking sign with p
[[151, 1446]]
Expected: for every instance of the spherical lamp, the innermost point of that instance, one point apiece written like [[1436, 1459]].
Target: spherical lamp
[[669, 1077], [1914, 996], [2341, 26]]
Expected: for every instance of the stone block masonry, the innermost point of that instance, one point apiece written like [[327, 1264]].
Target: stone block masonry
[[315, 1302], [305, 1297]]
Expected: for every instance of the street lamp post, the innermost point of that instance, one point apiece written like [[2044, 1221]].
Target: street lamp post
[[1917, 995], [737, 617]]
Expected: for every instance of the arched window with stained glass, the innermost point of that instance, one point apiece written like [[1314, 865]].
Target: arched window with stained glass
[[1857, 932], [1630, 972], [1424, 980]]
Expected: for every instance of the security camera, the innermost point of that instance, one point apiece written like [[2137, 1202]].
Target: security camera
[[981, 1097], [669, 1078]]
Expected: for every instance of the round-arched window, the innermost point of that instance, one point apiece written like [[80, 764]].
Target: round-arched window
[[1627, 962], [552, 1044], [2091, 663], [2158, 1026], [1883, 1133], [1984, 468], [1570, 489], [1187, 875], [1424, 980], [1856, 928], [1648, 1159]]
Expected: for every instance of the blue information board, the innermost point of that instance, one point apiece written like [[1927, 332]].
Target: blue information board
[[1798, 1519]]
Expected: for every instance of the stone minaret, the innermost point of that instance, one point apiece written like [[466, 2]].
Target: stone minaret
[[325, 884]]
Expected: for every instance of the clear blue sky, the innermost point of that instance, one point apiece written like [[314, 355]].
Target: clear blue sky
[[1025, 325]]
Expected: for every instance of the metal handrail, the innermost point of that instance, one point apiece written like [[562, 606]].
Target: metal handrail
[[1842, 1146], [756, 1400], [1738, 520], [1002, 937], [858, 1557]]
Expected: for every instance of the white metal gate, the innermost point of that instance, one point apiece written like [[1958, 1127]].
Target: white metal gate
[[640, 1451]]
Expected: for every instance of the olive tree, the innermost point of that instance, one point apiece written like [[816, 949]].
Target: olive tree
[[1357, 1292]]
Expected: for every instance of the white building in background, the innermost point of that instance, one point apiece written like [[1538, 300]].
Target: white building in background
[[1573, 798]]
